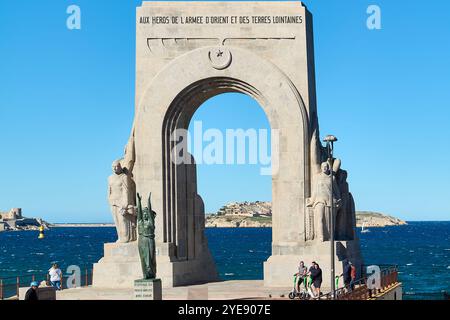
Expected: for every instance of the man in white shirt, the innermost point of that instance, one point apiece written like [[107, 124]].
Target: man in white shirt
[[55, 276]]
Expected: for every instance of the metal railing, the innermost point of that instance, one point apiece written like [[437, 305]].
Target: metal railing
[[360, 290], [10, 286]]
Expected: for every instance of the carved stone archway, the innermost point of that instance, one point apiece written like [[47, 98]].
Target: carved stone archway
[[168, 104], [264, 50]]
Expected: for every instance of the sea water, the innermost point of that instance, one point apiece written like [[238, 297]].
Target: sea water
[[421, 250]]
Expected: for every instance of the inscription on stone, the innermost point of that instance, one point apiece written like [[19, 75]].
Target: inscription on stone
[[214, 20], [148, 289]]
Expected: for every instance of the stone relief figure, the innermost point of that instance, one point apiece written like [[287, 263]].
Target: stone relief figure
[[127, 164], [344, 215], [351, 222], [146, 239], [344, 228], [120, 196], [320, 202]]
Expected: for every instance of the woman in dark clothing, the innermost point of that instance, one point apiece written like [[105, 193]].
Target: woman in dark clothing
[[316, 276]]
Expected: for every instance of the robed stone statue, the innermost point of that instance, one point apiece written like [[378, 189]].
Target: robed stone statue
[[121, 201], [320, 201], [146, 238], [122, 194]]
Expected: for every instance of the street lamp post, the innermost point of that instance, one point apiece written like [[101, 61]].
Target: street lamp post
[[330, 140]]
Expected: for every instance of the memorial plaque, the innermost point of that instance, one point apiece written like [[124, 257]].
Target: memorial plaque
[[150, 289]]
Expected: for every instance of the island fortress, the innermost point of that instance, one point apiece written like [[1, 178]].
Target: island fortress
[[13, 214], [13, 220], [264, 50], [8, 218]]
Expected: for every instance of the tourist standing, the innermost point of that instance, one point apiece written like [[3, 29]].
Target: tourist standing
[[31, 294], [55, 276], [316, 277]]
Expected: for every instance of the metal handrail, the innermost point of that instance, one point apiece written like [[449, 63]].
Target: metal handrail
[[342, 290], [16, 283], [36, 274], [389, 276]]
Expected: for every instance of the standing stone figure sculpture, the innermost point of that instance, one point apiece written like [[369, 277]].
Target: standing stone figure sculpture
[[121, 201], [127, 164], [344, 216], [320, 202], [146, 238]]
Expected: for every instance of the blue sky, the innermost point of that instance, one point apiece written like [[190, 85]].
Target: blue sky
[[67, 104]]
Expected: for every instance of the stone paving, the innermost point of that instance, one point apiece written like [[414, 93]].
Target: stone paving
[[225, 290]]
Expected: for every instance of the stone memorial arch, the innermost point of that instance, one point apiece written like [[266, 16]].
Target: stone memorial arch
[[186, 53]]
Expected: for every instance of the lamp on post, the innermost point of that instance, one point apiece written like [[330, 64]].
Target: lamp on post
[[330, 140]]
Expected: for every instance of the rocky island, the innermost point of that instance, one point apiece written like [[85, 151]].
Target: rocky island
[[14, 221], [374, 219], [242, 215], [259, 215]]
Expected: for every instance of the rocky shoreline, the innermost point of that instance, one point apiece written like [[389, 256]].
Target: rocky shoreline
[[25, 224], [376, 220], [13, 220], [237, 221], [259, 215]]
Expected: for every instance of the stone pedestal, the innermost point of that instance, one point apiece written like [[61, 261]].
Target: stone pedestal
[[278, 269], [187, 272], [119, 267], [147, 289], [46, 293]]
